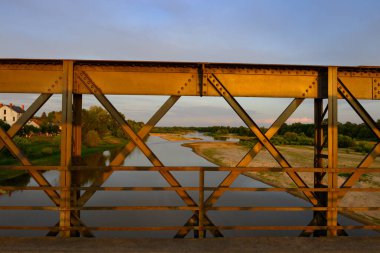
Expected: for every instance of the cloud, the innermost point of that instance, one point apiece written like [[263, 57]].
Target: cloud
[[300, 120]]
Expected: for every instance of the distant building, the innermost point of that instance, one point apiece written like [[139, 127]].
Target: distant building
[[10, 113], [34, 122]]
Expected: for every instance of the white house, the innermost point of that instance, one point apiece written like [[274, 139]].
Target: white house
[[34, 122], [10, 113]]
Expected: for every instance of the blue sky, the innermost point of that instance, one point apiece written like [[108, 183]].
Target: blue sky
[[282, 31]]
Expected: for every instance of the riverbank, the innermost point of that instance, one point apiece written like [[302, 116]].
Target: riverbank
[[45, 150], [174, 137], [229, 154]]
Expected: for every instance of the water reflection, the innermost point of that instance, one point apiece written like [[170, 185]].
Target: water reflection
[[171, 154]]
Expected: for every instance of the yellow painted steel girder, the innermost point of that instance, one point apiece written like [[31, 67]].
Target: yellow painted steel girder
[[186, 79]]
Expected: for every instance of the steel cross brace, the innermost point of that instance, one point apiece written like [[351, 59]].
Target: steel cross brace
[[26, 116], [363, 114], [6, 138], [6, 141], [139, 142], [263, 139], [232, 176], [213, 80], [120, 157]]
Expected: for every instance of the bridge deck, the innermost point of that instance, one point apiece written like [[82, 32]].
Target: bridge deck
[[255, 244]]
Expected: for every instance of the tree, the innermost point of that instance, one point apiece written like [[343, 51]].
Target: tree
[[4, 125]]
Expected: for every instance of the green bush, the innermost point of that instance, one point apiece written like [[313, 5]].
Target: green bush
[[47, 151], [345, 141], [22, 143], [92, 139], [363, 146], [290, 138]]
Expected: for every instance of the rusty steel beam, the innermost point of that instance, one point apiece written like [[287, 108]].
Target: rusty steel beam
[[368, 120], [26, 116], [66, 148], [91, 86], [332, 202], [36, 175], [233, 175], [119, 158], [184, 79], [213, 80]]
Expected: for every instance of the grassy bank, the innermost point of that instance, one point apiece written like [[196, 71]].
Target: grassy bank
[[45, 150]]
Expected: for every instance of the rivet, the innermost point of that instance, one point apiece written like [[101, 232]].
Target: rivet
[[307, 90], [178, 92], [185, 84], [224, 93], [313, 83], [189, 80], [60, 78], [374, 80], [375, 88], [310, 86], [204, 84], [217, 85], [204, 92], [49, 90], [378, 92], [303, 94], [204, 76], [56, 81], [220, 89], [181, 88]]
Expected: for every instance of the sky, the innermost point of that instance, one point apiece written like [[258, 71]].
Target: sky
[[304, 32]]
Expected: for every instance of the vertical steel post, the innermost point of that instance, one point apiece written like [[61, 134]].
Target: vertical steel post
[[332, 213], [318, 217], [201, 204], [66, 149], [77, 156], [318, 139]]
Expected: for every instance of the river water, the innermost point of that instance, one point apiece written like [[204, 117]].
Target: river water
[[171, 154]]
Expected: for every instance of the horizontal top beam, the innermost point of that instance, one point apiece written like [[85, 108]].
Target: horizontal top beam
[[186, 78], [178, 64]]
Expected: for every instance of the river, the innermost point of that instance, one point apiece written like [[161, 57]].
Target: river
[[171, 154]]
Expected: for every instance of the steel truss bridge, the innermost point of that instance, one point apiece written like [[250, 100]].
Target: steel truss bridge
[[73, 78]]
